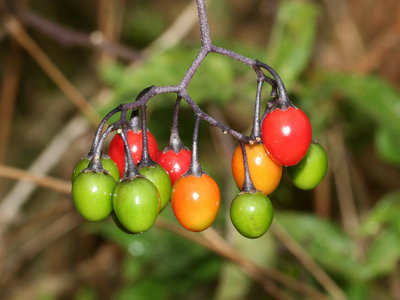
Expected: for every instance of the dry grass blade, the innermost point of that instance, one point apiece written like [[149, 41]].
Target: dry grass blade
[[39, 242], [303, 257], [58, 185], [261, 275], [9, 91], [341, 174], [19, 194], [17, 31]]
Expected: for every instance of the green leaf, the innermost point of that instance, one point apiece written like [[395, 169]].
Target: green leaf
[[325, 242], [86, 293], [370, 97], [357, 291], [292, 39], [234, 284], [146, 289], [112, 73], [370, 94], [383, 253], [382, 226], [386, 212], [387, 142]]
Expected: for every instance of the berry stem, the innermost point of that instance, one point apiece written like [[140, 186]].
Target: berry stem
[[283, 99], [175, 142], [100, 128], [130, 169], [95, 153], [146, 159], [134, 122], [203, 21], [195, 168], [256, 131], [211, 120], [248, 185], [268, 108]]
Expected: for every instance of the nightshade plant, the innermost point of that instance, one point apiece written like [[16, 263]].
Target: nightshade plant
[[281, 137]]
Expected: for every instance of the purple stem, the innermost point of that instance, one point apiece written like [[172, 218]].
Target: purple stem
[[248, 185], [130, 169], [175, 142], [195, 168], [146, 159], [256, 131]]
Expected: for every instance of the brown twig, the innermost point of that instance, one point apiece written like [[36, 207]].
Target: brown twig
[[302, 256], [102, 262], [110, 20], [322, 196], [58, 185], [346, 31], [49, 235], [394, 283], [55, 150], [68, 37], [9, 91], [16, 30], [256, 272], [341, 173]]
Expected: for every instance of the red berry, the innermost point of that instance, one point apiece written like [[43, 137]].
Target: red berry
[[176, 164], [135, 141], [286, 135]]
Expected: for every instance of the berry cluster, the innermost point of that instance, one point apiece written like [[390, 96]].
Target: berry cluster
[[136, 181]]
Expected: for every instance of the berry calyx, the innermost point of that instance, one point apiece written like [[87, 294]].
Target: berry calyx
[[108, 165]]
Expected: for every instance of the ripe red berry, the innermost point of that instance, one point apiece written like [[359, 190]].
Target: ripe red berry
[[135, 141], [286, 135], [176, 164]]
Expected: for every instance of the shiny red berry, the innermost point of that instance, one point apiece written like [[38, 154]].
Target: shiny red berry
[[135, 141], [286, 135], [176, 164]]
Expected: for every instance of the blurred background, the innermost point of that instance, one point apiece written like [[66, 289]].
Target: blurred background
[[65, 64]]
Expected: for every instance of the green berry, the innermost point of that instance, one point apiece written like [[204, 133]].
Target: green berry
[[160, 178], [251, 214], [136, 204], [92, 194], [310, 171]]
